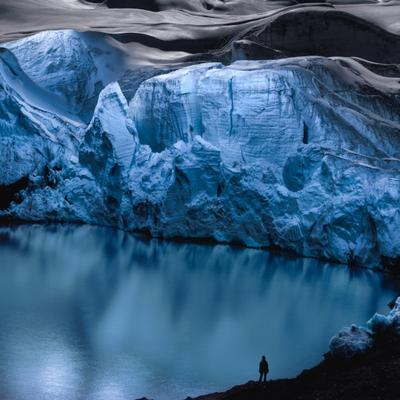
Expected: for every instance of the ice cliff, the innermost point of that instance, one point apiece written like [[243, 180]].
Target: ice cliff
[[301, 154]]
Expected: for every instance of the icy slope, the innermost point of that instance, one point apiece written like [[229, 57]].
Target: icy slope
[[301, 154], [73, 65], [33, 123], [45, 150]]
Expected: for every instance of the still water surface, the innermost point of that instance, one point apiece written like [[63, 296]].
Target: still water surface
[[95, 313]]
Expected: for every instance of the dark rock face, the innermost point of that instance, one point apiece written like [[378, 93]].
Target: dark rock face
[[221, 30], [327, 33], [150, 5]]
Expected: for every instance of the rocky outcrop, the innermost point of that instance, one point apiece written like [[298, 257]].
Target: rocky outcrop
[[355, 341], [351, 342]]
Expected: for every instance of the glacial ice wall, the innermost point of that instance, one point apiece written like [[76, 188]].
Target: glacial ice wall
[[300, 154], [264, 110]]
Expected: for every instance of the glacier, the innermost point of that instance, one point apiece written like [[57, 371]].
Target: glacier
[[300, 154]]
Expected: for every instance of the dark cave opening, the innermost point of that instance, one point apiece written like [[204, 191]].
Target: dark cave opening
[[9, 193]]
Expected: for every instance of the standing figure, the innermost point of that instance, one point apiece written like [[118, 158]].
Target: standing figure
[[263, 369]]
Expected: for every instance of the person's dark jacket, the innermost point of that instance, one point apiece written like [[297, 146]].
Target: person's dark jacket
[[263, 366]]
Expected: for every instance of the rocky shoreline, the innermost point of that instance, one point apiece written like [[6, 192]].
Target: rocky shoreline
[[373, 376], [353, 369]]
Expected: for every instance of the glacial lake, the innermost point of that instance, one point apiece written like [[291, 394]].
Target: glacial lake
[[98, 314]]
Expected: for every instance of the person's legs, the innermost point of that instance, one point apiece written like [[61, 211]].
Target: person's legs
[[260, 377], [265, 377]]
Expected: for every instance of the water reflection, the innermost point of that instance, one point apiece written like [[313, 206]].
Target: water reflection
[[94, 313]]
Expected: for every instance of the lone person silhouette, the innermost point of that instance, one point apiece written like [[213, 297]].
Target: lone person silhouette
[[263, 369]]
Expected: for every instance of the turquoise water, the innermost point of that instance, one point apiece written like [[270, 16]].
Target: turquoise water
[[95, 313]]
